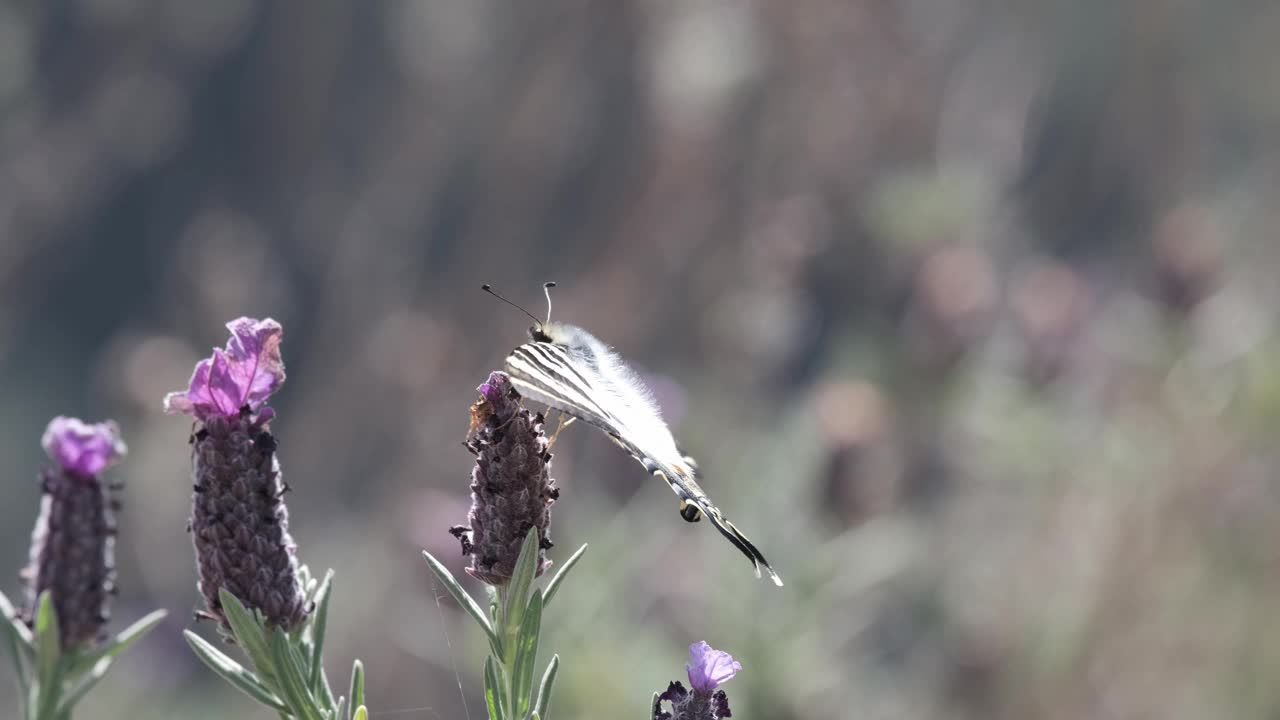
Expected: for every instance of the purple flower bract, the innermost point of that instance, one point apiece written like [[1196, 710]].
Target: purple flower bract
[[80, 448], [709, 668], [246, 373]]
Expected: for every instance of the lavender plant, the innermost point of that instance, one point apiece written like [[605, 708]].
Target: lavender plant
[[58, 641], [507, 539], [246, 559], [708, 668]]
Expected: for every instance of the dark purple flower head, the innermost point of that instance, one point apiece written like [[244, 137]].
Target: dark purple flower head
[[511, 486], [246, 373], [81, 449], [71, 546], [239, 522], [710, 668]]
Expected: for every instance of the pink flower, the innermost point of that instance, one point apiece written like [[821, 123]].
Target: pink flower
[[709, 668], [246, 373], [80, 448]]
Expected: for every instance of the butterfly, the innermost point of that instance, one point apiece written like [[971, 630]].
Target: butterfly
[[568, 369]]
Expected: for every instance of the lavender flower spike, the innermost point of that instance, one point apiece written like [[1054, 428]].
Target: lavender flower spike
[[71, 545], [239, 522], [245, 374], [511, 488], [709, 668]]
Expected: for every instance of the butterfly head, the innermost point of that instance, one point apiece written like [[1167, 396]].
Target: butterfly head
[[555, 333], [541, 330]]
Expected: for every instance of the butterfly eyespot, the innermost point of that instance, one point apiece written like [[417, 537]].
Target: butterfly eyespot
[[690, 512]]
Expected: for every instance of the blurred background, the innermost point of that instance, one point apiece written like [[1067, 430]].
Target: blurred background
[[967, 310]]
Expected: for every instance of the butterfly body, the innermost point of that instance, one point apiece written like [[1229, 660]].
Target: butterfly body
[[570, 370]]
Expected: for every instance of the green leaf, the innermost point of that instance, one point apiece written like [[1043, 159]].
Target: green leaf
[[308, 582], [526, 654], [554, 585], [543, 705], [47, 644], [362, 713], [534, 715], [357, 685], [233, 672], [465, 600], [318, 623], [504, 688], [49, 665], [517, 591], [492, 691], [496, 643], [121, 642], [301, 661], [82, 687], [17, 625], [18, 639], [249, 634], [291, 677]]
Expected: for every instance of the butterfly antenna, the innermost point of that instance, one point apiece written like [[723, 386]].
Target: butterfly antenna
[[546, 290], [489, 290]]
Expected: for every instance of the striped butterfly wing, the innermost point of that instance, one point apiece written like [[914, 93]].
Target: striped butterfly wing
[[543, 372], [546, 373]]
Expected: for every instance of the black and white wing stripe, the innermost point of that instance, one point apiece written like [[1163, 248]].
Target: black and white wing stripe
[[542, 371], [546, 373]]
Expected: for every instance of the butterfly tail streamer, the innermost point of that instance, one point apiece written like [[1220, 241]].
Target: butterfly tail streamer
[[689, 491]]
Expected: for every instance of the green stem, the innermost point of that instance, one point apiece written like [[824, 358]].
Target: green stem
[[509, 632], [47, 704]]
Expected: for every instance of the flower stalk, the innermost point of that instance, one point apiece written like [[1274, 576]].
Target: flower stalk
[[507, 540], [58, 642], [253, 586]]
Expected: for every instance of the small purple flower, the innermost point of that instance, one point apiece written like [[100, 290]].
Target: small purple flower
[[82, 449], [246, 373], [710, 668]]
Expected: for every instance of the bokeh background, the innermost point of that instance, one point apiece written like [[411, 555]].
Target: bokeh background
[[966, 308]]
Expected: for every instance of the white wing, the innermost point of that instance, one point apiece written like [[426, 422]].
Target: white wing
[[587, 380]]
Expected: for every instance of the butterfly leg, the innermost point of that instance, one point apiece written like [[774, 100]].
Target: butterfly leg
[[561, 425]]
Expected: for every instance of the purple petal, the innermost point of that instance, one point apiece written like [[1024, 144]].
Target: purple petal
[[256, 365], [247, 372], [198, 394], [709, 668], [81, 448], [495, 388], [223, 389]]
